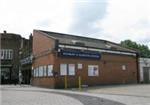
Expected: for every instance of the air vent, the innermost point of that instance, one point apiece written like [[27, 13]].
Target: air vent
[[73, 41], [108, 46], [78, 43], [113, 48]]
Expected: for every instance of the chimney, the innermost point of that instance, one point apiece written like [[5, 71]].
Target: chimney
[[5, 32]]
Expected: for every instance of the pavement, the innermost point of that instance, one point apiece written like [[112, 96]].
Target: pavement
[[36, 98], [137, 90], [101, 95], [129, 94], [28, 95]]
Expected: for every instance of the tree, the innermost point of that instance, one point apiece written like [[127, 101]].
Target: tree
[[143, 50]]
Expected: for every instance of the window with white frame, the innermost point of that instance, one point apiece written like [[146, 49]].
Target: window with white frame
[[63, 69], [50, 70], [40, 71], [36, 72], [71, 69], [6, 54], [124, 67], [2, 53], [80, 66], [11, 54], [44, 71], [93, 70], [33, 74]]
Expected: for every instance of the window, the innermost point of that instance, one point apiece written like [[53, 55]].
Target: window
[[79, 66], [71, 69], [67, 69], [44, 71], [2, 54], [33, 73], [6, 53], [40, 71], [124, 67], [93, 70], [50, 70], [36, 72], [63, 69], [11, 54]]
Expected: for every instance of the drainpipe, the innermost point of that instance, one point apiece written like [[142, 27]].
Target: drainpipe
[[137, 64]]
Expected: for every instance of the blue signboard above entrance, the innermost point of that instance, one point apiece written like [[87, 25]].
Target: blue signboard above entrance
[[79, 54]]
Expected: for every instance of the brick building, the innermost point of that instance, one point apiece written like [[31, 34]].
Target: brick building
[[14, 52], [10, 45], [56, 55]]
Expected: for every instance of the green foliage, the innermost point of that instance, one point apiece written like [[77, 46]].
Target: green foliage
[[143, 50]]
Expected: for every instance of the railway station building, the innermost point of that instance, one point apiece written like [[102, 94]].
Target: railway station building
[[95, 61]]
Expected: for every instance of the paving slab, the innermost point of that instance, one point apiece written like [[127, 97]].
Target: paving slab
[[141, 90], [11, 97], [28, 95], [131, 99]]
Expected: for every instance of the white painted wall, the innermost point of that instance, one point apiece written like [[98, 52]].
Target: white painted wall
[[143, 62]]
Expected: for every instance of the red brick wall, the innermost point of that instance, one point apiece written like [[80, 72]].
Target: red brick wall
[[110, 70], [47, 82], [42, 43]]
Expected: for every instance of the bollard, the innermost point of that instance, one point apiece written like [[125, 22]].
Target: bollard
[[65, 81], [79, 79]]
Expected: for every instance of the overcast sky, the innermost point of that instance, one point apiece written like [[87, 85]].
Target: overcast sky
[[113, 20]]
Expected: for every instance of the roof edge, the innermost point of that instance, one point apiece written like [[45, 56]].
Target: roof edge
[[106, 41], [40, 31]]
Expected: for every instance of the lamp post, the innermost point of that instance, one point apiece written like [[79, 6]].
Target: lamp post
[[20, 72]]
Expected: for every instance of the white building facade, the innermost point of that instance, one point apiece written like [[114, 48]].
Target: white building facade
[[144, 67]]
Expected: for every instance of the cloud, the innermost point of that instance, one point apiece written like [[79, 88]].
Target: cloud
[[113, 20], [86, 13], [126, 19], [22, 16]]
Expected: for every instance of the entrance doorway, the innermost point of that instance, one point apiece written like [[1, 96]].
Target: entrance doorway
[[146, 74], [5, 76], [26, 76]]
